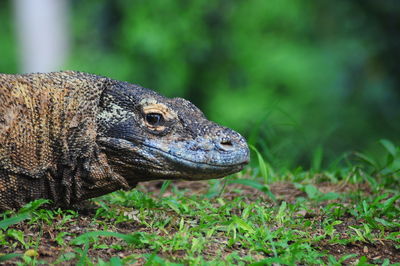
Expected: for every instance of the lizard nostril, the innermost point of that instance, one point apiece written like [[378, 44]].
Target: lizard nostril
[[226, 145]]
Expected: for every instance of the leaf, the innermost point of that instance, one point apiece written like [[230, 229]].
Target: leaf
[[386, 223], [31, 253], [130, 239], [65, 257], [265, 169], [83, 255], [249, 182], [9, 256], [367, 159], [33, 205], [359, 234], [316, 162], [164, 187], [116, 261], [329, 196], [269, 261], [389, 160], [281, 211], [346, 257], [389, 146], [372, 181], [173, 204], [4, 224], [17, 235], [390, 203], [242, 224], [312, 191], [153, 259]]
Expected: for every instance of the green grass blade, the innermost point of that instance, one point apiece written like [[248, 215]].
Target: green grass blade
[[33, 205], [116, 261], [367, 160], [390, 203], [165, 186], [389, 146], [130, 239], [269, 261], [4, 224], [316, 162], [242, 224], [83, 258], [9, 256], [265, 168]]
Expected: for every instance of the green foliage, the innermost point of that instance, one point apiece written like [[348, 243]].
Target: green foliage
[[8, 47], [282, 72], [172, 228], [9, 257], [4, 224], [239, 231]]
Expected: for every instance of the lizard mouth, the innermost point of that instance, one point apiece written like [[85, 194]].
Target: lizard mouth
[[224, 164], [191, 170], [179, 159], [193, 167]]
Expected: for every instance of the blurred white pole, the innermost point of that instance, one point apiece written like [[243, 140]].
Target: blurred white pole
[[42, 33]]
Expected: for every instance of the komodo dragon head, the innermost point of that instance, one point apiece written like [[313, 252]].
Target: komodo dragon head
[[148, 136]]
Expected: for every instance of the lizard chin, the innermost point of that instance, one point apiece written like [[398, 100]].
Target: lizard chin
[[190, 160]]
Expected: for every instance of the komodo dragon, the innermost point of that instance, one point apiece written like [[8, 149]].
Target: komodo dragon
[[69, 136]]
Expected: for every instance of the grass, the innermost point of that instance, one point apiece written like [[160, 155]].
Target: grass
[[348, 214]]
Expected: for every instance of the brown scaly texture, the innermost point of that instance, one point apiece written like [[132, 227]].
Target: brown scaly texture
[[47, 139], [69, 136]]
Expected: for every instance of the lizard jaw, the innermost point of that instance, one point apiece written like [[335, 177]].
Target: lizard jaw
[[190, 160], [190, 169]]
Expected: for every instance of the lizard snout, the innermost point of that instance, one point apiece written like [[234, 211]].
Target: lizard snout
[[233, 143]]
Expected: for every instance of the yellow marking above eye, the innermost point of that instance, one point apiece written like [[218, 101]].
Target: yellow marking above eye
[[155, 114], [150, 105]]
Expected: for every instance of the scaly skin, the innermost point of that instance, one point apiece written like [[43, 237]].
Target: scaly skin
[[69, 136]]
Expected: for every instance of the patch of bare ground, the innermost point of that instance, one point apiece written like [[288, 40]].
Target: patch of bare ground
[[374, 252], [283, 191]]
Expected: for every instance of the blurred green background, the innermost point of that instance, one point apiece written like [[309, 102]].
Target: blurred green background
[[292, 76]]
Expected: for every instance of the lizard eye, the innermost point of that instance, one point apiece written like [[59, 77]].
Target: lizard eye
[[154, 119]]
